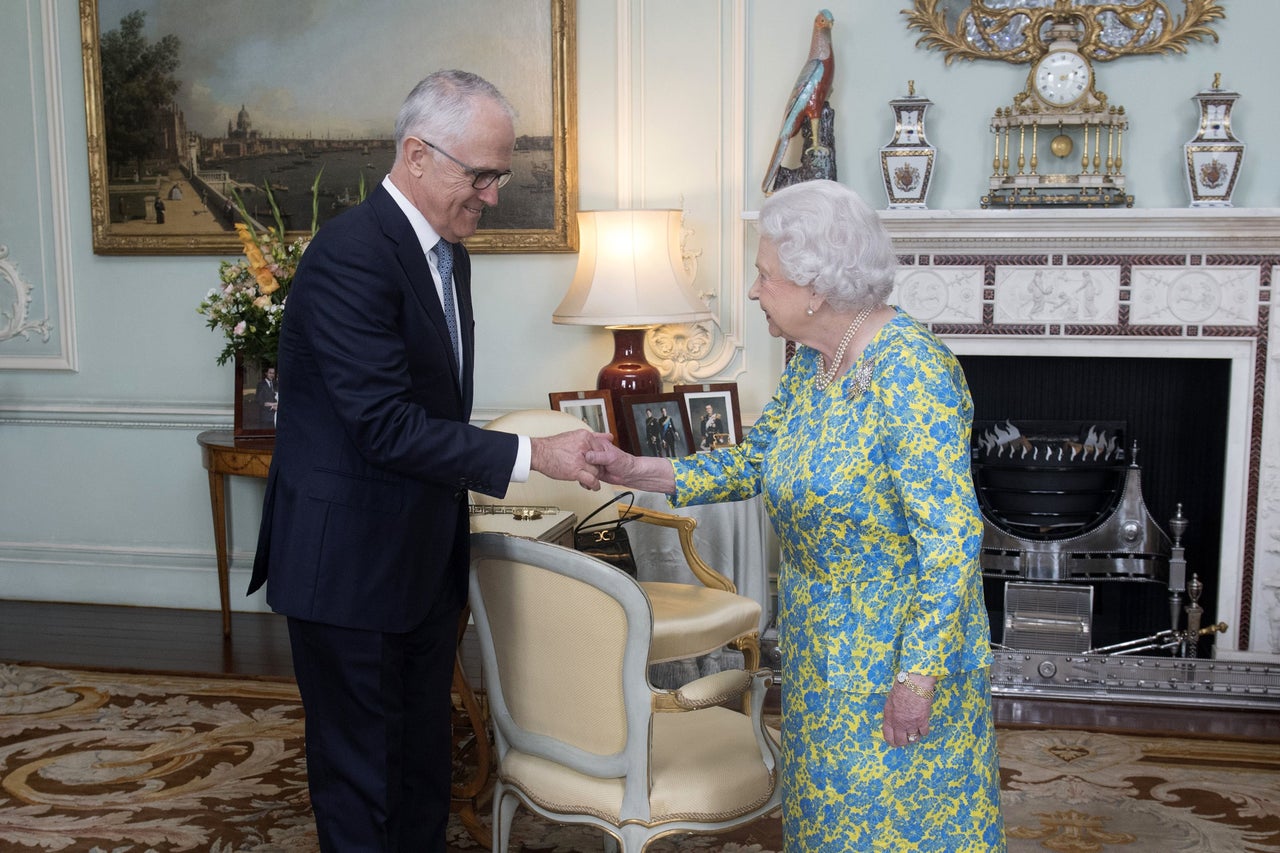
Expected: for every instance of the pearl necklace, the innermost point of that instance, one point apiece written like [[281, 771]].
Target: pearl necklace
[[827, 374]]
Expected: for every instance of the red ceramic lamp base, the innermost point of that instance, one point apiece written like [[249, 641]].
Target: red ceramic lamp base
[[629, 372]]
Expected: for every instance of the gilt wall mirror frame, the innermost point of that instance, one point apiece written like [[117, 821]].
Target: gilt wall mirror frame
[[1015, 30], [230, 103]]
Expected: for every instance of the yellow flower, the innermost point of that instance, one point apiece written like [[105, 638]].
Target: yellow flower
[[250, 242], [266, 281], [257, 263], [248, 305]]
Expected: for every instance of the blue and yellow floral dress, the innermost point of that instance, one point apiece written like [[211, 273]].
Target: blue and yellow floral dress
[[868, 485]]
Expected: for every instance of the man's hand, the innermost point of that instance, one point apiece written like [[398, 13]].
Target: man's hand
[[620, 468], [612, 462], [563, 456]]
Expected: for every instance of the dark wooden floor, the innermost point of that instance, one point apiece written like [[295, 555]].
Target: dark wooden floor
[[191, 641], [143, 638]]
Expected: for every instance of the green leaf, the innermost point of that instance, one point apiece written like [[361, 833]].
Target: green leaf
[[315, 201], [275, 210]]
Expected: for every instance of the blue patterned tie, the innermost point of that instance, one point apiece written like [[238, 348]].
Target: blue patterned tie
[[444, 262]]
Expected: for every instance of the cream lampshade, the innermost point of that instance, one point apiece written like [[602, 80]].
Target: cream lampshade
[[630, 277]]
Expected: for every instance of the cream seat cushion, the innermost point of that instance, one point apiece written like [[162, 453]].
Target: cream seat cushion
[[689, 749], [691, 620]]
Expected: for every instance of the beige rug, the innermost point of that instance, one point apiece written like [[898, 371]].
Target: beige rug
[[124, 763]]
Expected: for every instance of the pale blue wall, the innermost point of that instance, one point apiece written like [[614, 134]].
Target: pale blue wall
[[103, 495]]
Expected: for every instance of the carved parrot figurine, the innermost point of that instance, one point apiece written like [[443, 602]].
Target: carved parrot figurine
[[810, 93]]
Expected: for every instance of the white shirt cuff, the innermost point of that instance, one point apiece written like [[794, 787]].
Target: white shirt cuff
[[524, 459]]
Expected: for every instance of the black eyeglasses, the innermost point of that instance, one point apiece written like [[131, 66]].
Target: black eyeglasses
[[480, 179]]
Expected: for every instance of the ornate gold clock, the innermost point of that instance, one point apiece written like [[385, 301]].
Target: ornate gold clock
[[1060, 142]]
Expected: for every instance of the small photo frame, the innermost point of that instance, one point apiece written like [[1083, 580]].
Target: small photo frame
[[656, 425], [713, 413], [257, 400], [594, 408]]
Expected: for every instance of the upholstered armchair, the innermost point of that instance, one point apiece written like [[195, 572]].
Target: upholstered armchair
[[690, 619], [581, 734]]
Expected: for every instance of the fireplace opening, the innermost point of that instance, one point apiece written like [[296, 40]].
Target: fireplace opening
[[1175, 410]]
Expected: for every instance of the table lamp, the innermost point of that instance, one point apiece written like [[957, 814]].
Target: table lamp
[[630, 277]]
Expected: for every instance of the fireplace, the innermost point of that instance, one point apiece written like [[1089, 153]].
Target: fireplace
[[1160, 422], [1157, 319]]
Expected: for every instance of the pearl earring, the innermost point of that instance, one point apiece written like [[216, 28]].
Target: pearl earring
[[809, 311]]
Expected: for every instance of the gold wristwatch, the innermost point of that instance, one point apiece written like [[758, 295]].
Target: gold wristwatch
[[913, 687]]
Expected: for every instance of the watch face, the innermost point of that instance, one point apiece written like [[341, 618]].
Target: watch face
[[1062, 77]]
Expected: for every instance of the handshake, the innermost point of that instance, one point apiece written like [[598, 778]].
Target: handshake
[[592, 458]]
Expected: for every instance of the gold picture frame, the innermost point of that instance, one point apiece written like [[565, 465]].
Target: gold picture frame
[[174, 210]]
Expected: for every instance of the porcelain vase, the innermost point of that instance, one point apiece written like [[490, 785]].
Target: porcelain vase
[[1214, 156], [906, 163]]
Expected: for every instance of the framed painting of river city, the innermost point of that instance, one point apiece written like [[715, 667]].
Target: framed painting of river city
[[190, 106]]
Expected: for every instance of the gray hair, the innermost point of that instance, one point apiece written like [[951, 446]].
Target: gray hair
[[441, 106], [830, 239]]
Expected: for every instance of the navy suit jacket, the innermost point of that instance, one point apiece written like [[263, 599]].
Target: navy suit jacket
[[365, 523]]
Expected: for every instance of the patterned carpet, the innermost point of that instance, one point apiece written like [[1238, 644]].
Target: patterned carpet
[[93, 761]]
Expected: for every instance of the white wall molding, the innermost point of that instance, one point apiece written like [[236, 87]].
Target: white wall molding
[[48, 154], [146, 415], [625, 104], [59, 191], [691, 353], [137, 577], [1209, 229]]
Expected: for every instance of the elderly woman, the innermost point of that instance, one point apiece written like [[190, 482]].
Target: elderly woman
[[863, 459]]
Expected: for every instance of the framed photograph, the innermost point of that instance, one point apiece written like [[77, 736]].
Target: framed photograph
[[594, 408], [713, 412], [187, 104], [257, 400], [656, 425]]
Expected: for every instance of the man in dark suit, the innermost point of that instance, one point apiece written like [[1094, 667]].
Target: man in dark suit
[[365, 529], [267, 397]]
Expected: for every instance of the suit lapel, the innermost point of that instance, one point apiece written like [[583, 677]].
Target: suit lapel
[[466, 321], [416, 269]]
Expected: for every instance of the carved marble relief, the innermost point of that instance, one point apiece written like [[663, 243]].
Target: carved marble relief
[[1058, 294], [1210, 296], [940, 294]]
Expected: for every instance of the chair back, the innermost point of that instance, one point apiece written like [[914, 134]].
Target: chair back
[[541, 490], [564, 640]]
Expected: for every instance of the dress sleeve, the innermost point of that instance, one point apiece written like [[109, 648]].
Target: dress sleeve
[[929, 415], [734, 473]]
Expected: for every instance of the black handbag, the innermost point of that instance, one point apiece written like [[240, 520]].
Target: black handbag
[[607, 540]]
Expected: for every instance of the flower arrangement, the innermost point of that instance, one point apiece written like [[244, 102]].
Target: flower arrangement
[[249, 304]]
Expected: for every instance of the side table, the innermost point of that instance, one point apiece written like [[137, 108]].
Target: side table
[[222, 455]]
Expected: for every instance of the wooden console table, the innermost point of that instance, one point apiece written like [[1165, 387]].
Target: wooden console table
[[221, 456]]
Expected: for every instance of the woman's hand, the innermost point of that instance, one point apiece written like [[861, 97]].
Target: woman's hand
[[620, 468], [906, 714]]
